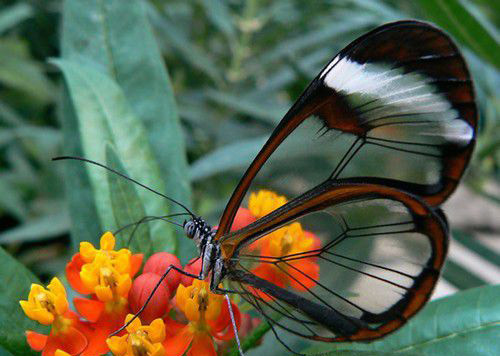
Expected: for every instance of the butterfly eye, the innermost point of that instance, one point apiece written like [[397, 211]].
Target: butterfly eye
[[189, 228]]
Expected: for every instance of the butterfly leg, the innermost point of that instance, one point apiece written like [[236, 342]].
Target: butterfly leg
[[171, 267], [233, 322]]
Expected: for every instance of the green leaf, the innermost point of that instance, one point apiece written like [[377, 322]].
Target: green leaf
[[15, 286], [473, 244], [119, 41], [365, 353], [235, 155], [85, 224], [19, 71], [11, 199], [467, 323], [37, 229], [127, 208], [466, 26], [105, 116], [270, 114], [220, 15], [186, 47], [460, 277], [13, 15]]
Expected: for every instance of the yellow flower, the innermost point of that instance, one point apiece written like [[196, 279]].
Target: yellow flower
[[120, 259], [289, 240], [264, 202], [198, 303], [106, 280], [140, 340], [46, 305]]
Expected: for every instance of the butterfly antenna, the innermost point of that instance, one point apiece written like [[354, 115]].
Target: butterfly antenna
[[148, 218], [60, 158]]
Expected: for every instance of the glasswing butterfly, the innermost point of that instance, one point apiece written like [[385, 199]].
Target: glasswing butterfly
[[401, 99]]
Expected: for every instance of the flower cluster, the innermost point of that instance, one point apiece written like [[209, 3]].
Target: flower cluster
[[181, 317]]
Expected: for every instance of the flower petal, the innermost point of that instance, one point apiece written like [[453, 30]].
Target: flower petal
[[267, 272], [90, 309], [117, 344], [202, 345], [135, 263], [74, 341], [156, 331], [243, 218], [102, 330], [134, 325], [56, 287], [107, 241], [73, 269], [43, 316], [158, 350], [178, 344], [103, 293], [87, 251], [36, 341], [191, 310], [181, 296], [303, 274], [172, 327], [223, 329], [71, 341], [60, 352]]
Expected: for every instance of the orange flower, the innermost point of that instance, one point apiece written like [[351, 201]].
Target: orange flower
[[300, 272], [122, 261], [264, 201], [139, 340], [50, 307], [208, 317], [107, 275]]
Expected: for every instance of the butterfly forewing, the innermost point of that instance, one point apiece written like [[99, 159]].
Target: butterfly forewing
[[396, 105], [372, 263]]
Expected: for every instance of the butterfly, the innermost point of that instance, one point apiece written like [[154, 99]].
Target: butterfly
[[401, 99], [403, 94]]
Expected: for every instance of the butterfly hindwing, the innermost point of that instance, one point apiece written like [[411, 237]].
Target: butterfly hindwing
[[372, 265]]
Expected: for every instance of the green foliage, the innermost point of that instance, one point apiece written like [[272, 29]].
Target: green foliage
[[16, 281], [465, 25], [466, 323], [234, 68]]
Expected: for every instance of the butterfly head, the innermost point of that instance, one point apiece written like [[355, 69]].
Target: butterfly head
[[197, 229]]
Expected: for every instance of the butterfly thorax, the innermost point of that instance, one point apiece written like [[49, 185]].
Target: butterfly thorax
[[203, 235]]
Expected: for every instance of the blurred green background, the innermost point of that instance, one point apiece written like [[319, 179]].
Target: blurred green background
[[235, 68]]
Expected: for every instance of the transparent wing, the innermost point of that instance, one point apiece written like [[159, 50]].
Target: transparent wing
[[370, 263], [397, 105]]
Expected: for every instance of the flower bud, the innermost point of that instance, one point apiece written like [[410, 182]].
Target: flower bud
[[194, 267], [141, 290], [158, 264]]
